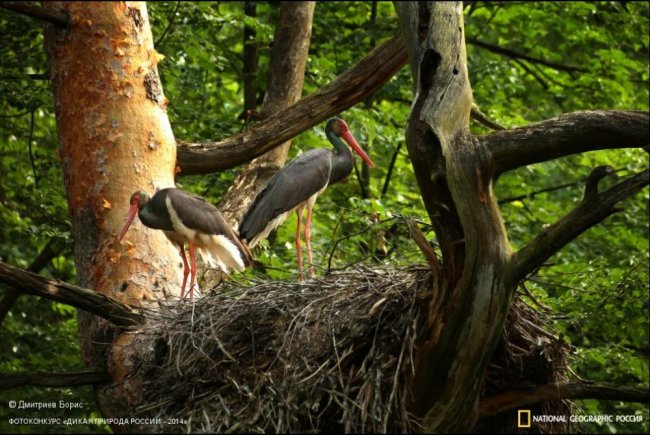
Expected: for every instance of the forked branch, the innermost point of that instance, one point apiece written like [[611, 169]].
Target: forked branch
[[594, 208], [58, 291]]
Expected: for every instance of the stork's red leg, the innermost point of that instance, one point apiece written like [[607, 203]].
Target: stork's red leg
[[298, 245], [193, 266], [308, 240], [186, 269]]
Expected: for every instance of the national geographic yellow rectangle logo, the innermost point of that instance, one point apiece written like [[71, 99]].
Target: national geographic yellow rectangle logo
[[523, 418]]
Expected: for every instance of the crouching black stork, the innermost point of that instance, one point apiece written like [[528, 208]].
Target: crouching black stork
[[187, 218], [296, 187]]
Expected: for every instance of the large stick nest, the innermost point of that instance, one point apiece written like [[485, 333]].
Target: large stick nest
[[331, 354]]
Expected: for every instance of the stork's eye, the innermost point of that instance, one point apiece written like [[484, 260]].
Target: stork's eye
[[135, 198]]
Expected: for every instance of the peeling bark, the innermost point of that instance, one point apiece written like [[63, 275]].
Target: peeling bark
[[115, 138]]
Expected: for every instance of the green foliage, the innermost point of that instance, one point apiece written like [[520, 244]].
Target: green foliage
[[597, 287]]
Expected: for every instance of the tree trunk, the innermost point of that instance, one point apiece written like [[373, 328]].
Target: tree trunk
[[453, 172], [285, 80], [115, 138]]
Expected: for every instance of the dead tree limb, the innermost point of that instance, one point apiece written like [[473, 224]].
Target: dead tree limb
[[354, 85], [568, 134], [58, 291]]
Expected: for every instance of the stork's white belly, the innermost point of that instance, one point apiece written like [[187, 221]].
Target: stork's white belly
[[274, 223]]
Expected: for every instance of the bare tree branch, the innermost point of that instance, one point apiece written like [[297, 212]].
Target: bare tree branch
[[513, 54], [58, 291], [594, 208], [568, 134], [349, 88], [59, 18], [72, 379], [503, 402]]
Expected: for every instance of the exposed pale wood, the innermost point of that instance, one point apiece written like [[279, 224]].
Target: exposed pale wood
[[452, 170]]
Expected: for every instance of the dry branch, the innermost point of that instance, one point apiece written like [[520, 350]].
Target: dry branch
[[354, 85], [494, 405], [594, 208], [73, 379], [58, 291], [568, 134], [59, 18]]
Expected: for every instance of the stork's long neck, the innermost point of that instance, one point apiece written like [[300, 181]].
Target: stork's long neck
[[154, 214], [342, 160]]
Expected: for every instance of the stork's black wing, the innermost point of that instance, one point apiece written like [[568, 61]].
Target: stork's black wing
[[289, 187], [198, 214]]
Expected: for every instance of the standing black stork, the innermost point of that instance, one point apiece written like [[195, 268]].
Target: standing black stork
[[187, 218], [297, 185]]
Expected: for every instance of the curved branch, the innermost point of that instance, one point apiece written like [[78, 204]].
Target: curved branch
[[72, 379], [58, 291], [594, 208], [513, 54], [59, 18], [354, 85], [491, 406], [565, 135]]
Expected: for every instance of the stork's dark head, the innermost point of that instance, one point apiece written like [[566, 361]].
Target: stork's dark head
[[138, 200], [340, 128]]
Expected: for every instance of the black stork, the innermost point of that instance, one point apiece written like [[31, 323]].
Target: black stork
[[187, 218], [296, 187]]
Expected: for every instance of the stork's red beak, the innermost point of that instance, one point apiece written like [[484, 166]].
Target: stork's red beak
[[355, 146], [133, 211]]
